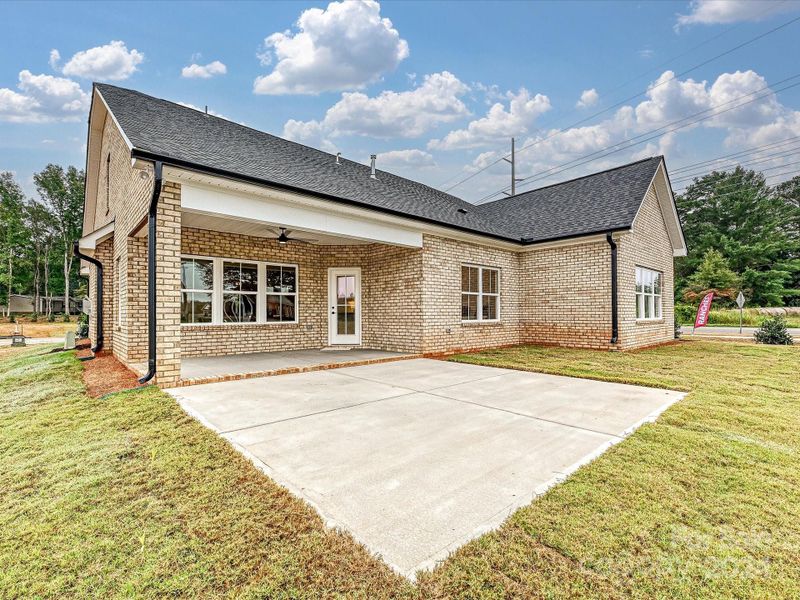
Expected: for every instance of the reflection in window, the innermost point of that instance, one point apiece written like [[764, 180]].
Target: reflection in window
[[240, 292], [281, 293], [197, 284]]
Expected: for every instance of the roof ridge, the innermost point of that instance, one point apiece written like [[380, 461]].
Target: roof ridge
[[355, 163], [544, 187]]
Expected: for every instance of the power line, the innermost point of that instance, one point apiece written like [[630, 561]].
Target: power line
[[740, 163], [626, 144], [783, 166], [621, 102], [752, 150], [733, 186]]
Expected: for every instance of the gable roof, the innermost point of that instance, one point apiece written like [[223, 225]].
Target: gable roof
[[162, 130], [596, 203]]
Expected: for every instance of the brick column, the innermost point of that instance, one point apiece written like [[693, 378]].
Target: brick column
[[168, 286]]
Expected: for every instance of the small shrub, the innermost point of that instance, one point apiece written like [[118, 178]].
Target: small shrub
[[66, 318], [12, 318], [34, 317], [684, 314], [773, 331], [51, 318], [677, 330]]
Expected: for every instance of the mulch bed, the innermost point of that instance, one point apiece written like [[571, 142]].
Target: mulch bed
[[104, 374]]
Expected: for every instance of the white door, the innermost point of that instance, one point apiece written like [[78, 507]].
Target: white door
[[344, 306]]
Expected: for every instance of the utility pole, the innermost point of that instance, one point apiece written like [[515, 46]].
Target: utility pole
[[513, 163]]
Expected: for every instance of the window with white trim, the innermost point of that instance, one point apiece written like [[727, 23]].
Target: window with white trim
[[219, 291], [480, 293], [281, 293], [197, 288], [649, 286]]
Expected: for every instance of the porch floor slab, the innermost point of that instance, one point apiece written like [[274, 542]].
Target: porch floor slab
[[203, 368]]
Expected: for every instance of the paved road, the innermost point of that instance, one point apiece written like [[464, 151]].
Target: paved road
[[728, 331], [33, 341]]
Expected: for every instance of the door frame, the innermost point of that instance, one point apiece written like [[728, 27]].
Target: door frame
[[333, 272]]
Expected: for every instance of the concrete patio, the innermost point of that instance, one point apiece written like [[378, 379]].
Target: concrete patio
[[416, 457]]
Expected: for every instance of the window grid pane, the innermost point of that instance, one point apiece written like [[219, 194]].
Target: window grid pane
[[480, 293], [648, 293]]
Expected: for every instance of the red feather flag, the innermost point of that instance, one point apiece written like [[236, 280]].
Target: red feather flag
[[703, 310]]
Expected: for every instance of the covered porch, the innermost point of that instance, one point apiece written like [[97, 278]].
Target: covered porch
[[263, 285]]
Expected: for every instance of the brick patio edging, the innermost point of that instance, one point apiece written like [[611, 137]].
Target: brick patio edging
[[290, 370]]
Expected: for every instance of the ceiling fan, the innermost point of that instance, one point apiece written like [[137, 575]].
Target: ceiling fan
[[283, 237]]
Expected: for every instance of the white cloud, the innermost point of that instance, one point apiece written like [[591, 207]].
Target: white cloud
[[646, 53], [390, 114], [55, 59], [588, 98], [195, 71], [346, 46], [712, 12], [43, 98], [48, 141], [762, 121], [110, 62], [499, 123], [406, 159]]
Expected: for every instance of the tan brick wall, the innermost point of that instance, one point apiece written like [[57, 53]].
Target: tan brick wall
[[123, 196], [390, 284], [566, 295], [443, 330], [649, 246], [104, 253]]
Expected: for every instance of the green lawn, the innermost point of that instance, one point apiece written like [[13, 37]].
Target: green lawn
[[127, 496]]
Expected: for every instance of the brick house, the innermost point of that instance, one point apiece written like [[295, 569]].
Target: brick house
[[261, 244]]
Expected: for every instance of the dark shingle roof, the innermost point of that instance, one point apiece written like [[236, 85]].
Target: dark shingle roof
[[186, 137], [595, 203]]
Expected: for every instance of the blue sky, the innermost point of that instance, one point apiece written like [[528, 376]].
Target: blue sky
[[436, 89]]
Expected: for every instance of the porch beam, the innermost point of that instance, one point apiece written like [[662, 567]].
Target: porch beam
[[276, 213]]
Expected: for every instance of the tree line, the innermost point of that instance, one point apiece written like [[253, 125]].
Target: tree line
[[741, 234], [36, 236]]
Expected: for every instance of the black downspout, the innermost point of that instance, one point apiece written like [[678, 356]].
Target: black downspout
[[614, 310], [99, 300], [151, 275]]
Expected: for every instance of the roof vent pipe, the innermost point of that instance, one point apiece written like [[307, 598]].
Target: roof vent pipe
[[372, 158], [338, 155]]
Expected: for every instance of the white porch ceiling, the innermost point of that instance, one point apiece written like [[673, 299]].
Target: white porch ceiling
[[261, 229]]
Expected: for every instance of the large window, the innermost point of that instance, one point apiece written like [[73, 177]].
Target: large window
[[480, 293], [281, 293], [197, 277], [648, 293], [219, 290]]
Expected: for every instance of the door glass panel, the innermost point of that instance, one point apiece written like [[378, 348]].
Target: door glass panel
[[346, 305]]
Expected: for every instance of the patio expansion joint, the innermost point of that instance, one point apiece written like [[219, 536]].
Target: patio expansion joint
[[432, 392], [320, 412]]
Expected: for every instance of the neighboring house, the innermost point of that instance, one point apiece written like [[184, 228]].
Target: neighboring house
[[23, 304], [364, 257]]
